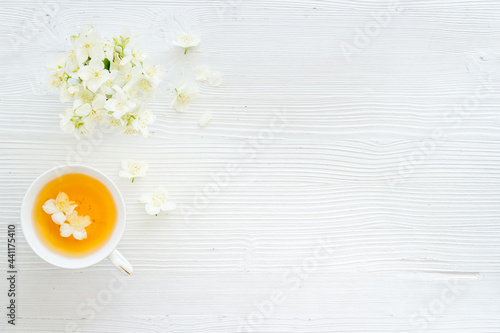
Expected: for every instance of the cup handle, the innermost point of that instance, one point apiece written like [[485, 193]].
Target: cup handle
[[120, 262]]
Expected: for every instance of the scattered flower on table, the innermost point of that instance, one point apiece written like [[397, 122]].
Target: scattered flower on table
[[132, 169], [112, 78], [157, 202], [184, 95], [205, 119], [75, 226], [186, 41], [204, 74], [59, 207]]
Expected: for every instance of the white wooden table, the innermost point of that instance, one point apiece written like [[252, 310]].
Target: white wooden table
[[364, 187]]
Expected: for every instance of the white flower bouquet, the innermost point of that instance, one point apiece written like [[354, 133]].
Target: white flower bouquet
[[109, 82]]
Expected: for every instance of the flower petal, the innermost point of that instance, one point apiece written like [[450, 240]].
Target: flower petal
[[62, 197], [125, 174], [66, 230], [205, 119], [59, 218], [147, 198], [80, 234], [181, 107], [85, 221], [49, 206], [70, 209], [168, 206], [152, 209]]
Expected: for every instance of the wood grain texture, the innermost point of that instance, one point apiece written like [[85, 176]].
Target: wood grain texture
[[389, 155]]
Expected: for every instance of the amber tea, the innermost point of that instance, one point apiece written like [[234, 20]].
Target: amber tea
[[93, 202]]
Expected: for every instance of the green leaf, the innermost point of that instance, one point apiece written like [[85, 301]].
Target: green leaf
[[106, 63]]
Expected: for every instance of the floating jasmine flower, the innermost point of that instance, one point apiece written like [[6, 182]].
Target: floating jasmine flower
[[133, 169], [157, 202], [186, 41], [75, 226], [59, 207], [184, 95]]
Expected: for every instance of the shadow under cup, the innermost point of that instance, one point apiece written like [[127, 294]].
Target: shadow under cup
[[38, 245]]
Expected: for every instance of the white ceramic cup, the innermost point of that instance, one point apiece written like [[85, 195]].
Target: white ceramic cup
[[108, 250]]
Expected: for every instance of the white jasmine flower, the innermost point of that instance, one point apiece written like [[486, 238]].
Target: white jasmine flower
[[66, 122], [76, 120], [157, 202], [56, 79], [132, 169], [118, 125], [59, 207], [108, 50], [135, 76], [67, 92], [184, 95], [107, 87], [83, 109], [72, 64], [94, 75], [202, 74], [89, 45], [97, 113], [58, 63], [144, 87], [83, 96], [205, 119], [127, 58], [109, 82], [121, 41], [75, 226], [152, 72], [124, 75], [186, 41], [120, 103], [144, 118], [138, 55]]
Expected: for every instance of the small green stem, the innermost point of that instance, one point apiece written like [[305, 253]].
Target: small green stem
[[185, 50], [133, 179]]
